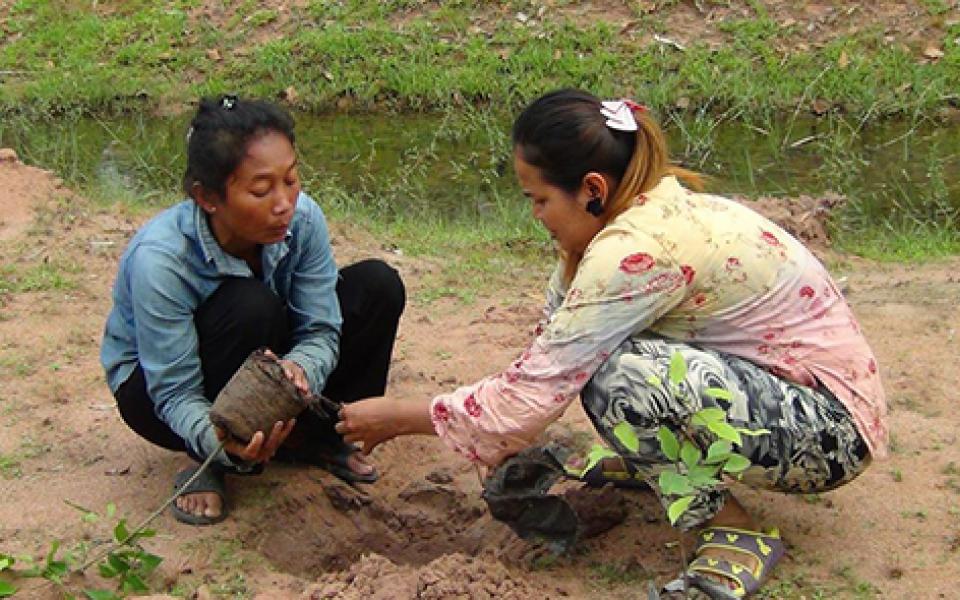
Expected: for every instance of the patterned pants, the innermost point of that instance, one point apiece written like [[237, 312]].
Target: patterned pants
[[813, 444]]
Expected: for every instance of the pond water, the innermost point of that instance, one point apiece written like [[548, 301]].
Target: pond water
[[458, 165]]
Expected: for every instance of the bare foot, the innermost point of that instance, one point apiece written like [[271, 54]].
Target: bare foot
[[201, 504], [357, 463]]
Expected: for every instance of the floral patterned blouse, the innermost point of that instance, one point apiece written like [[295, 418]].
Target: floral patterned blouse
[[685, 266]]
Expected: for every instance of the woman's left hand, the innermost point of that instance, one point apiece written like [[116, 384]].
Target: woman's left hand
[[369, 422], [293, 372]]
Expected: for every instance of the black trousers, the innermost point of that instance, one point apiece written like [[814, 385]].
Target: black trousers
[[244, 314]]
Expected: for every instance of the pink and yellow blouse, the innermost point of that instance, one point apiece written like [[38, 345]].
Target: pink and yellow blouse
[[685, 266]]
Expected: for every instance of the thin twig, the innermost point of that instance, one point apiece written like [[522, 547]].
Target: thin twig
[[176, 494]]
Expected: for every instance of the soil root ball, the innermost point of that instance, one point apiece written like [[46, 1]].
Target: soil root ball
[[257, 396]]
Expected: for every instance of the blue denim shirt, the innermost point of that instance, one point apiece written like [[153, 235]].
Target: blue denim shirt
[[170, 267]]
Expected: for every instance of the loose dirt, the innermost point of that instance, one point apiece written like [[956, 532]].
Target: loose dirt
[[422, 531]]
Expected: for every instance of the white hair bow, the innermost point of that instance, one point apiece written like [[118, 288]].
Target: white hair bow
[[619, 115]]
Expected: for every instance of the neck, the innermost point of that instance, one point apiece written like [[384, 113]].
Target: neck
[[242, 249]]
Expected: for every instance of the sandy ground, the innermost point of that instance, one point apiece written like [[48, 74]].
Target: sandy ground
[[423, 531]]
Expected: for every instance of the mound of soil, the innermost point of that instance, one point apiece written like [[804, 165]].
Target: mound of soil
[[804, 217], [451, 576]]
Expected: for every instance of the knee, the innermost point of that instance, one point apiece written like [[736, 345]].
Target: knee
[[247, 305], [384, 286]]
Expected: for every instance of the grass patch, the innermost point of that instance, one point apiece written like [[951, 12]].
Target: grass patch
[[63, 57], [42, 277], [10, 467]]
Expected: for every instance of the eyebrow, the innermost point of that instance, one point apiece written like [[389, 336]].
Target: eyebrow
[[269, 174]]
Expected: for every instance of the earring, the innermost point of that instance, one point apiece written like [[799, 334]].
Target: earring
[[595, 207]]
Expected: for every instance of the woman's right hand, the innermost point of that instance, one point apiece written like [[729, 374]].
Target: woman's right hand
[[260, 448]]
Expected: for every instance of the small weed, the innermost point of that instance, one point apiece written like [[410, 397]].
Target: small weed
[[951, 468], [897, 475], [610, 575], [920, 515], [10, 467]]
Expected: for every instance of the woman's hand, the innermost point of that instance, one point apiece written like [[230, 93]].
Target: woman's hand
[[293, 372], [369, 423], [260, 448], [374, 421]]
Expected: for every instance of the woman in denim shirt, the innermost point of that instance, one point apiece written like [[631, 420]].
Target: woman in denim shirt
[[245, 263]]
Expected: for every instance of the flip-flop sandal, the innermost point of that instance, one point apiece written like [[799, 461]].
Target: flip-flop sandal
[[766, 549], [599, 476], [211, 480], [334, 460]]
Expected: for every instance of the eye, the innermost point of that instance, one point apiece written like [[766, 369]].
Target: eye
[[260, 193]]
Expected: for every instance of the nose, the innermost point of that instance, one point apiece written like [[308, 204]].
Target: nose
[[286, 199]]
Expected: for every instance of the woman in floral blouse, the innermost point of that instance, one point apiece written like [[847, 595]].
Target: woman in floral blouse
[[650, 269]]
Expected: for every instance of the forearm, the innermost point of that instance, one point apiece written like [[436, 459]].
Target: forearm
[[413, 417]]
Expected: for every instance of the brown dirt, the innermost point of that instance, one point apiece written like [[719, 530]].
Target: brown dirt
[[422, 531]]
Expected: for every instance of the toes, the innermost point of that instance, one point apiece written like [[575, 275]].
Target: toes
[[357, 464]]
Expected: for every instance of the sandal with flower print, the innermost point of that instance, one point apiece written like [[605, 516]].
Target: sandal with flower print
[[763, 549]]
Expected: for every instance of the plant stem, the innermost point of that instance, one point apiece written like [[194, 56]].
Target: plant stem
[[176, 494]]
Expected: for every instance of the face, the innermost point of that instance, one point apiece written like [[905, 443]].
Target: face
[[261, 195], [563, 214]]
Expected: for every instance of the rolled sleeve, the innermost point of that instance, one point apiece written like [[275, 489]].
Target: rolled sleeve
[[313, 307], [168, 347]]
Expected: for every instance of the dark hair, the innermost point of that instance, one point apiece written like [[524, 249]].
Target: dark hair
[[219, 134], [564, 134]]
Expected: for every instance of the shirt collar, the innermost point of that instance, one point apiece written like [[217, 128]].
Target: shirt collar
[[231, 265]]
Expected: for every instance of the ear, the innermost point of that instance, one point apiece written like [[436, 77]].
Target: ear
[[207, 199], [595, 185]]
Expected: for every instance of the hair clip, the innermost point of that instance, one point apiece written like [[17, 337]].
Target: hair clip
[[635, 106], [228, 102], [619, 115], [189, 134]]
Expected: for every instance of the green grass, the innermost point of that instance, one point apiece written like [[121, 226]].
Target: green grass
[[42, 277], [60, 57]]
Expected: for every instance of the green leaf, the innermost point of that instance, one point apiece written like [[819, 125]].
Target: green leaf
[[596, 454], [678, 368], [654, 381], [668, 443], [736, 464], [703, 476], [718, 393], [90, 517], [627, 436], [678, 507], [52, 553], [118, 563], [55, 570], [100, 595], [718, 451], [133, 583], [148, 562], [120, 531], [753, 432], [690, 454], [706, 416], [107, 571], [6, 589], [6, 561], [675, 484], [111, 510], [725, 431]]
